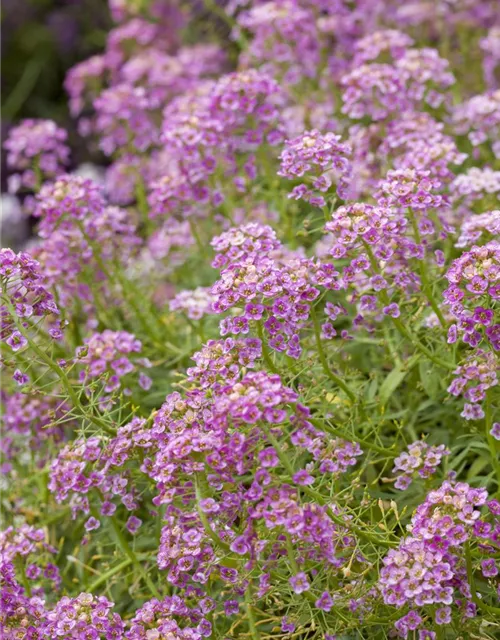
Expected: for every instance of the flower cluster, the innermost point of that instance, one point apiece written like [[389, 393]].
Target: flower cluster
[[477, 227], [292, 222], [211, 132], [29, 544], [479, 118], [37, 149], [158, 618], [420, 460], [274, 291], [490, 46], [475, 184], [321, 159], [474, 377], [427, 570], [221, 360], [29, 423], [378, 90], [410, 188], [195, 304], [110, 355], [25, 299], [85, 616], [80, 235], [472, 294], [285, 39]]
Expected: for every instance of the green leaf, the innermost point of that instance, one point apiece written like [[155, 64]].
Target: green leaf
[[477, 466], [395, 378], [431, 379]]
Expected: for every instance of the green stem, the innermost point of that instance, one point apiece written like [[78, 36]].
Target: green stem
[[325, 426], [277, 447], [470, 578], [398, 323], [254, 632], [53, 366], [109, 574], [213, 7], [324, 362], [423, 273], [196, 236], [25, 85], [492, 443], [265, 351], [147, 320], [142, 200], [129, 552], [200, 483], [320, 499], [291, 554]]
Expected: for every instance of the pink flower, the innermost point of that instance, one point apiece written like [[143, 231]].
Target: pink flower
[[299, 583], [16, 341]]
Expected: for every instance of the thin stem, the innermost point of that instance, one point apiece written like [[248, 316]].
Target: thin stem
[[423, 273], [239, 37], [129, 552], [109, 574], [470, 578], [251, 618], [398, 323], [325, 426], [24, 87], [200, 495], [324, 362], [53, 366], [149, 321], [320, 499], [492, 443], [295, 567], [277, 447], [196, 236], [265, 351], [142, 200], [382, 542], [290, 553]]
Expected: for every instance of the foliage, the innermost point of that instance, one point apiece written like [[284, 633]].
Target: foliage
[[250, 370]]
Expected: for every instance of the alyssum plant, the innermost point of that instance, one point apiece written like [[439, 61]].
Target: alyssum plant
[[250, 370]]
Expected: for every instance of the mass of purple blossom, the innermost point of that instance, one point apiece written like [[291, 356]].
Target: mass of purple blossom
[[250, 362]]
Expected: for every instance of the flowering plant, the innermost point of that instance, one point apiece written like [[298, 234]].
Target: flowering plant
[[250, 371]]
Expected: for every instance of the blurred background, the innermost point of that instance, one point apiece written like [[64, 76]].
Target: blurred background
[[41, 40]]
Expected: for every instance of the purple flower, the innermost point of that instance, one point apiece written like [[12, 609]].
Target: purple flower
[[495, 430], [489, 568], [92, 524], [240, 546], [145, 381], [231, 607], [16, 341], [442, 615], [318, 156], [39, 144], [133, 524], [299, 583], [425, 634], [325, 602], [483, 316], [302, 477], [20, 377], [392, 310], [254, 311], [287, 626], [108, 508], [472, 412]]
